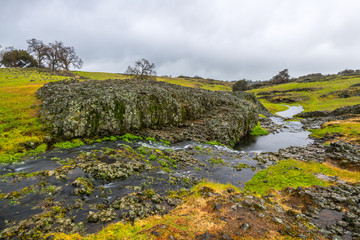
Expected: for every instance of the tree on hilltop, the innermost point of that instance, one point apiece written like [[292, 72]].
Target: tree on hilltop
[[38, 49], [68, 57], [56, 56], [143, 69], [282, 77]]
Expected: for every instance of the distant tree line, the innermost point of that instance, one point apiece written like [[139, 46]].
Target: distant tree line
[[54, 56], [243, 85]]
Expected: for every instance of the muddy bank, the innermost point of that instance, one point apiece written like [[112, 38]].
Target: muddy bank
[[151, 108]]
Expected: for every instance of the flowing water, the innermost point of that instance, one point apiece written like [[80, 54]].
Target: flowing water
[[106, 192], [292, 134]]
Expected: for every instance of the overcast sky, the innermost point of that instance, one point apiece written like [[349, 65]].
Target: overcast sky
[[221, 39]]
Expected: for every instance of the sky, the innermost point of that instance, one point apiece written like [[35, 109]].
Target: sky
[[220, 39]]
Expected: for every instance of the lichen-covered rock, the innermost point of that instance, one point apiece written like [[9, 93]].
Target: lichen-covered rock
[[96, 108], [104, 215], [83, 186]]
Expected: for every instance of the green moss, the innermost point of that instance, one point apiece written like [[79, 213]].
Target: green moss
[[216, 160], [69, 144], [163, 163], [198, 148], [110, 138], [287, 173], [9, 158], [149, 192], [165, 142], [143, 150], [214, 143], [49, 189], [22, 174], [129, 136], [151, 139], [258, 131], [241, 166], [83, 186], [152, 157]]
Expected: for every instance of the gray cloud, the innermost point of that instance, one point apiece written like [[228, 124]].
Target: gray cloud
[[229, 39]]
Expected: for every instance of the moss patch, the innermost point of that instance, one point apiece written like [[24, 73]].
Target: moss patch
[[258, 131], [348, 130], [293, 173], [69, 144]]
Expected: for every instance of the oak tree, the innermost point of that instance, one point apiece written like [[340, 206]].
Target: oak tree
[[143, 69]]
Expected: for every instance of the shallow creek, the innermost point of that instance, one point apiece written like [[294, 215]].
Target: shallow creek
[[216, 163]]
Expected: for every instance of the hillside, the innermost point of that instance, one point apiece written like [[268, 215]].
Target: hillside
[[324, 93]]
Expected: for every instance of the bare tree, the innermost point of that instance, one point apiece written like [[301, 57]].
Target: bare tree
[[38, 49], [143, 69], [52, 55], [67, 57]]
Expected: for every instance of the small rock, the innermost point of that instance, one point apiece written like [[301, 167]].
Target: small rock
[[244, 227], [217, 206]]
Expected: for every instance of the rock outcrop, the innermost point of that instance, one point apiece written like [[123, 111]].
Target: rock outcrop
[[347, 110], [157, 109]]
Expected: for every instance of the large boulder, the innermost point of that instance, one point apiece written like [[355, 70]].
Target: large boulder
[[98, 108]]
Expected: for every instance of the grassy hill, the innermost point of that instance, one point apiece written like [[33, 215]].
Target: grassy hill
[[20, 130], [326, 93], [318, 94]]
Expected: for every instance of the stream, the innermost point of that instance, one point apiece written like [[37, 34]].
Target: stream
[[57, 184]]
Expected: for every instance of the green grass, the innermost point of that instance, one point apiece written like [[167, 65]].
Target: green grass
[[293, 173], [214, 143], [348, 129], [311, 100], [209, 84], [129, 136], [258, 131], [273, 107], [100, 75], [69, 144], [216, 160], [19, 125]]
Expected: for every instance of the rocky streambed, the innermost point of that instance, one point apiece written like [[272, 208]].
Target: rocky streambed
[[83, 189]]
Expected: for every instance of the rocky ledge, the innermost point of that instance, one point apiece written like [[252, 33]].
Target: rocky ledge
[[151, 108]]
